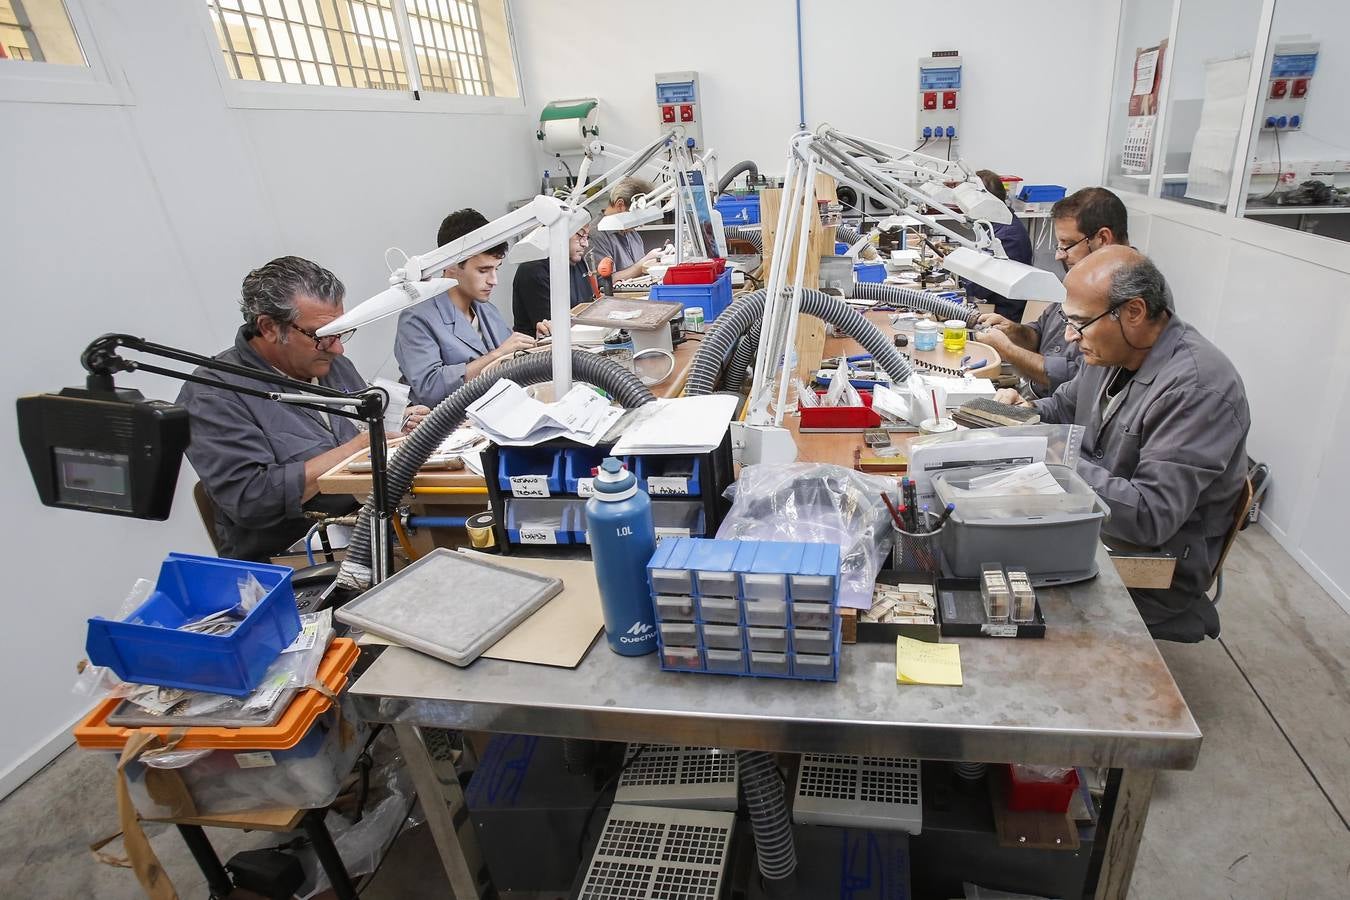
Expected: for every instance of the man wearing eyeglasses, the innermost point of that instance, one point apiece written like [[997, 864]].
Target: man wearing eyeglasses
[[1165, 423], [1084, 221], [531, 300], [260, 460]]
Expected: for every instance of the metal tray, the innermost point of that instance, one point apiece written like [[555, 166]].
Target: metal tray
[[449, 605]]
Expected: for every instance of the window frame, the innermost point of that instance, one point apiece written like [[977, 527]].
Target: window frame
[[29, 81], [243, 93]]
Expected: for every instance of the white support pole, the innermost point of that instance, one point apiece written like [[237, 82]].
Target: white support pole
[[808, 210], [560, 305]]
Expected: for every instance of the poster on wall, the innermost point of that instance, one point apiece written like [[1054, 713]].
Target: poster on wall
[[1215, 146], [1136, 155]]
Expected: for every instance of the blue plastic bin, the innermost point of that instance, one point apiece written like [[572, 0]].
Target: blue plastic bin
[[1041, 193], [869, 273], [712, 298], [649, 467], [738, 210], [147, 648], [840, 248], [553, 520], [519, 468], [580, 462]]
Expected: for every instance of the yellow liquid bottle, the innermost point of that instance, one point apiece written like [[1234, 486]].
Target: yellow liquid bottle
[[954, 336]]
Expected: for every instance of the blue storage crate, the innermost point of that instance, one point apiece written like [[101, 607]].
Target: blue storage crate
[[1041, 193], [713, 298], [147, 648], [869, 273], [668, 485], [529, 471], [840, 248], [578, 465], [544, 521], [738, 210], [749, 585]]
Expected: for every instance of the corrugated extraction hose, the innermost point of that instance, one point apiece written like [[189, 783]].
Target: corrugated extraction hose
[[741, 233], [747, 312], [621, 384], [924, 301], [746, 165], [762, 787]]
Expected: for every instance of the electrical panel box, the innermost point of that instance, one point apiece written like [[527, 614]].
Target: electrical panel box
[[939, 108], [678, 105], [1291, 72]]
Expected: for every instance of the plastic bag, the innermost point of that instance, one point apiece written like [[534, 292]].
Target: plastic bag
[[1042, 774], [817, 503], [975, 892], [173, 759]]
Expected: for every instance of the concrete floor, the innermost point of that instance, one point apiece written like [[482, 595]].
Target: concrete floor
[[1264, 814]]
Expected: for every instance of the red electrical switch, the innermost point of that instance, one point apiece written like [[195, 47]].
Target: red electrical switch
[[1300, 87], [1278, 88], [686, 112], [930, 100], [949, 99], [667, 114]]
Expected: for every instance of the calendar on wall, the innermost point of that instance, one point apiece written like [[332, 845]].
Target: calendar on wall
[[1136, 156]]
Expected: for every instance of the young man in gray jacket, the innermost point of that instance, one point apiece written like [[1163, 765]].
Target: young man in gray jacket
[[1165, 418]]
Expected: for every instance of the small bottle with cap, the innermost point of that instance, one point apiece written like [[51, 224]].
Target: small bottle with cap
[[623, 539]]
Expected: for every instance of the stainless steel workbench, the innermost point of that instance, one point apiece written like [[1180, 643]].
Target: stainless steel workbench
[[1093, 692]]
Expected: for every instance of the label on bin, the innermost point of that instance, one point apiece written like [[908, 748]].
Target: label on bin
[[538, 534], [667, 531], [585, 487], [529, 486], [258, 759], [659, 485], [998, 630]]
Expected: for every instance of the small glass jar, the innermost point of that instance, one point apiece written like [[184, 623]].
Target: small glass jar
[[926, 335], [954, 335]]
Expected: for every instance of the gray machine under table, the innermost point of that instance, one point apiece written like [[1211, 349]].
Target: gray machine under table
[[1094, 692]]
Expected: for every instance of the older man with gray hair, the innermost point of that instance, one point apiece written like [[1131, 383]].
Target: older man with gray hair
[[260, 460], [624, 247], [1165, 423]]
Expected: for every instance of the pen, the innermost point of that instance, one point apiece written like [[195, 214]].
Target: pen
[[946, 513], [895, 516]]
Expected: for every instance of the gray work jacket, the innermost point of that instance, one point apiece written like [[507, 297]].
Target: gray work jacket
[[436, 342], [250, 454], [1169, 461], [1062, 358]]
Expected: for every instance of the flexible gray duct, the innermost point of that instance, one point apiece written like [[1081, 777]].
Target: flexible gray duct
[[753, 235], [743, 166], [622, 385], [924, 301], [746, 314], [762, 788]]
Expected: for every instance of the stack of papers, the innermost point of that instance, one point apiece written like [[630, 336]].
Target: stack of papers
[[680, 425], [1032, 479], [512, 418]]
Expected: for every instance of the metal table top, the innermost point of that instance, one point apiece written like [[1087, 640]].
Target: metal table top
[[1094, 691]]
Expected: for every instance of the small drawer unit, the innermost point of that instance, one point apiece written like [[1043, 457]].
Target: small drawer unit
[[759, 608]]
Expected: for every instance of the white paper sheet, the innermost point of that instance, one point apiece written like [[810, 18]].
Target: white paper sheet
[[1215, 145]]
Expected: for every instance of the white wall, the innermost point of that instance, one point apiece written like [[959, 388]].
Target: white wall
[[1034, 76], [144, 218], [1250, 287]]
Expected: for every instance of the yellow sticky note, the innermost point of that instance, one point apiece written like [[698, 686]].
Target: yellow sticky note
[[919, 662]]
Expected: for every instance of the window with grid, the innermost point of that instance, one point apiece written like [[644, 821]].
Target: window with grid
[[39, 31], [360, 43]]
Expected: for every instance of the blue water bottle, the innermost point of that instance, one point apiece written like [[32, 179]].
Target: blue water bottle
[[619, 520]]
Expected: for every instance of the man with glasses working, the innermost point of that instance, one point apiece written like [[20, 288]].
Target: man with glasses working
[[1084, 221], [1165, 422], [531, 300], [260, 460]]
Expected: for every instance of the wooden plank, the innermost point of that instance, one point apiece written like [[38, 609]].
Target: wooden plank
[[258, 820], [1123, 836], [810, 342]]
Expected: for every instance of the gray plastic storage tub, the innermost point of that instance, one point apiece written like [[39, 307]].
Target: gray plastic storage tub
[[1055, 546]]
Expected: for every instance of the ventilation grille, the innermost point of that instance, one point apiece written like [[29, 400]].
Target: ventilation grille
[[664, 775], [866, 791], [648, 853]]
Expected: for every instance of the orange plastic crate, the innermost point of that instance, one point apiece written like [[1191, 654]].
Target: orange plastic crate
[[94, 733]]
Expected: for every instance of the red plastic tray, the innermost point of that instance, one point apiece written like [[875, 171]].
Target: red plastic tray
[[860, 418], [705, 272]]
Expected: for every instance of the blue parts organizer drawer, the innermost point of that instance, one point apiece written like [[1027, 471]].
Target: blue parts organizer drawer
[[761, 608], [711, 298], [669, 476], [738, 210], [679, 518], [529, 472], [543, 521], [148, 648]]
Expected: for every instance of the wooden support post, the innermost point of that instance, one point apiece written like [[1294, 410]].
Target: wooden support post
[[810, 344]]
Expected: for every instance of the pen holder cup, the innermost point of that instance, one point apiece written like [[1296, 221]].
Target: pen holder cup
[[917, 553]]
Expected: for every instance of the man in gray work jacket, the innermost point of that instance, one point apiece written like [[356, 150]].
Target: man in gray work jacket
[[260, 460], [1166, 420]]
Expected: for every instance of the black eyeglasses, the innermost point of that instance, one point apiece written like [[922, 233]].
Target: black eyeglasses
[[1065, 250], [326, 343], [1073, 327]]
